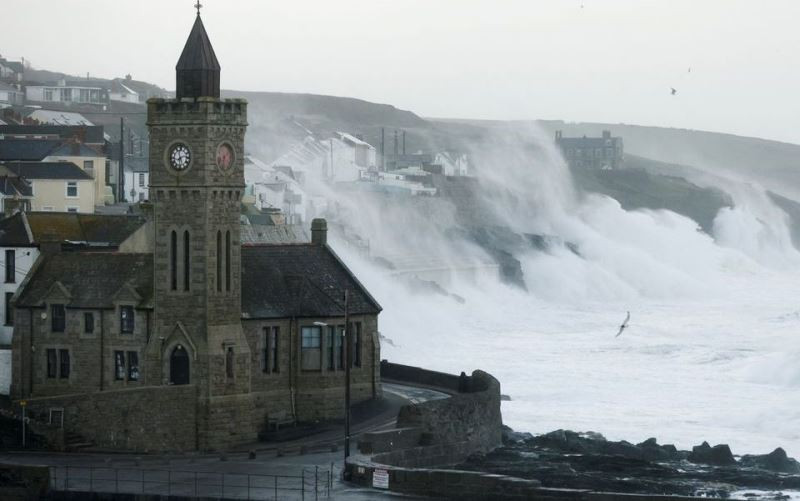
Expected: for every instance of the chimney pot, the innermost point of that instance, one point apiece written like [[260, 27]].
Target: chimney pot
[[319, 232]]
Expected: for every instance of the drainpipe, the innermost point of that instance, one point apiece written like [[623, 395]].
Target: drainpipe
[[292, 375], [30, 351]]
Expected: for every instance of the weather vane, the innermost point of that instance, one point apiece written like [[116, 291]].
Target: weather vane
[[198, 6]]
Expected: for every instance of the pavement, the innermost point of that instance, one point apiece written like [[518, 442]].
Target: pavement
[[300, 468]]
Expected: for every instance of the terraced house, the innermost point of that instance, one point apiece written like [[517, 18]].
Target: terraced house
[[197, 342]]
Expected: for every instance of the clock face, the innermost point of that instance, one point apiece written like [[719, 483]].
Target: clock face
[[224, 156], [180, 157]]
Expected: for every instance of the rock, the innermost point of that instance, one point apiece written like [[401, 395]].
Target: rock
[[776, 460], [505, 398], [511, 437], [651, 451], [719, 455]]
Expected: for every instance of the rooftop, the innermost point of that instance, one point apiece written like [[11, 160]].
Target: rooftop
[[47, 170]]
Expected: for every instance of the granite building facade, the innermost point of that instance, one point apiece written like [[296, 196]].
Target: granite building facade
[[200, 342]]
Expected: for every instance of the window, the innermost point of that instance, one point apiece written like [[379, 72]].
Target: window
[[72, 189], [63, 356], [119, 365], [229, 362], [271, 335], [48, 94], [133, 366], [219, 261], [228, 261], [88, 322], [310, 348], [58, 317], [11, 266], [88, 165], [186, 264], [126, 319], [72, 208], [66, 95], [52, 363], [141, 180], [9, 309], [173, 261]]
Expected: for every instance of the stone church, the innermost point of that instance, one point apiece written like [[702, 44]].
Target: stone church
[[192, 341]]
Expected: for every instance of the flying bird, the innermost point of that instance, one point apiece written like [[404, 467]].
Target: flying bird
[[673, 90], [624, 324]]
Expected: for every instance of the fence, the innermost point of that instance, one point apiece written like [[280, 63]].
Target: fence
[[309, 485]]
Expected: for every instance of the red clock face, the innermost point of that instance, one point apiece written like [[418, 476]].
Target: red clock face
[[224, 157]]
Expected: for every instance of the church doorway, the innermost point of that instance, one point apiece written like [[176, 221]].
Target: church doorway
[[179, 366]]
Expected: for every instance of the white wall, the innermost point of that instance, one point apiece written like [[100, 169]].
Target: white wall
[[25, 257], [140, 193]]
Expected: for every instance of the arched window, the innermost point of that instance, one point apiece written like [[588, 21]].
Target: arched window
[[219, 261], [228, 261], [173, 261], [186, 261], [179, 366]]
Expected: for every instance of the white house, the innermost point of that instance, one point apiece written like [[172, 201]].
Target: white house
[[10, 96], [64, 92], [123, 93], [137, 179]]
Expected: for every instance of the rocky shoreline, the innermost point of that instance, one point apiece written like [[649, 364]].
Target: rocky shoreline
[[567, 459]]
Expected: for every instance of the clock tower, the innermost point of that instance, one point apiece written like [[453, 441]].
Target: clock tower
[[196, 184]]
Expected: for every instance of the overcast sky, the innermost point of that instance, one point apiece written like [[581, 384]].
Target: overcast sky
[[577, 60]]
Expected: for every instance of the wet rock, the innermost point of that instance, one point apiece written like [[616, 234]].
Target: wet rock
[[719, 455], [776, 460], [652, 451], [511, 437]]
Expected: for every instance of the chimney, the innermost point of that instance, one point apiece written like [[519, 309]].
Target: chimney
[[558, 135], [606, 134], [319, 232]]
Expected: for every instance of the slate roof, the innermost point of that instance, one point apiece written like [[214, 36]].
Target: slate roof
[[110, 229], [27, 149], [198, 54], [91, 134], [12, 185], [92, 280], [13, 232], [299, 280], [74, 149], [47, 170]]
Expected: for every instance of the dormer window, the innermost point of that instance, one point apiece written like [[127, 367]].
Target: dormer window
[[126, 319]]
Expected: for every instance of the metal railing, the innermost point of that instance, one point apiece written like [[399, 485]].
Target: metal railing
[[310, 484]]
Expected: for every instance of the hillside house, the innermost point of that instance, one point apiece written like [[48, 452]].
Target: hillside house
[[603, 153]]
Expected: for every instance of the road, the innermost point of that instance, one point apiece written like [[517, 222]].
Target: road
[[277, 471]]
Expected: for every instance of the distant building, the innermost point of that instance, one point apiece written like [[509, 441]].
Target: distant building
[[68, 92], [52, 117], [11, 71], [90, 135], [10, 95], [137, 179], [602, 153], [55, 186], [123, 93]]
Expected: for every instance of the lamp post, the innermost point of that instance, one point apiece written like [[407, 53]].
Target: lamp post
[[347, 354]]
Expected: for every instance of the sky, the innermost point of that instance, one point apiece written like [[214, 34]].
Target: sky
[[733, 63]]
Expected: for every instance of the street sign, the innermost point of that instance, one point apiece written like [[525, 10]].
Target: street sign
[[380, 479]]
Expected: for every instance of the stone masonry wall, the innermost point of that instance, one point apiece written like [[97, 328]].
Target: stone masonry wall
[[140, 419]]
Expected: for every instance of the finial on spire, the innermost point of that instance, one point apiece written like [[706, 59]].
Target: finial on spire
[[198, 6]]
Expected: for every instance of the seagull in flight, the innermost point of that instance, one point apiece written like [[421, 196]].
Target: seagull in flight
[[673, 91], [624, 324]]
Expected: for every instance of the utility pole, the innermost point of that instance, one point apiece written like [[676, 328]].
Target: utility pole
[[404, 143], [395, 146], [331, 175], [121, 180], [347, 356]]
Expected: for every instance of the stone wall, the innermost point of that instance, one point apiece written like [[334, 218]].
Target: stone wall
[[140, 419]]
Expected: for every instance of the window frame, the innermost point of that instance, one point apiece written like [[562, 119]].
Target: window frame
[[71, 184], [132, 358], [11, 266], [130, 326], [88, 322], [312, 333], [9, 311], [61, 326], [51, 357], [64, 365], [120, 368]]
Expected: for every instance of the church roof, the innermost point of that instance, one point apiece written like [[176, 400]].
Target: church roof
[[299, 280], [198, 54], [92, 280]]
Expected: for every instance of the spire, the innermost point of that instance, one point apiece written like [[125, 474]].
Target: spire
[[197, 69]]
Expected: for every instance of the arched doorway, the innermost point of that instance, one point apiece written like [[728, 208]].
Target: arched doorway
[[179, 366]]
